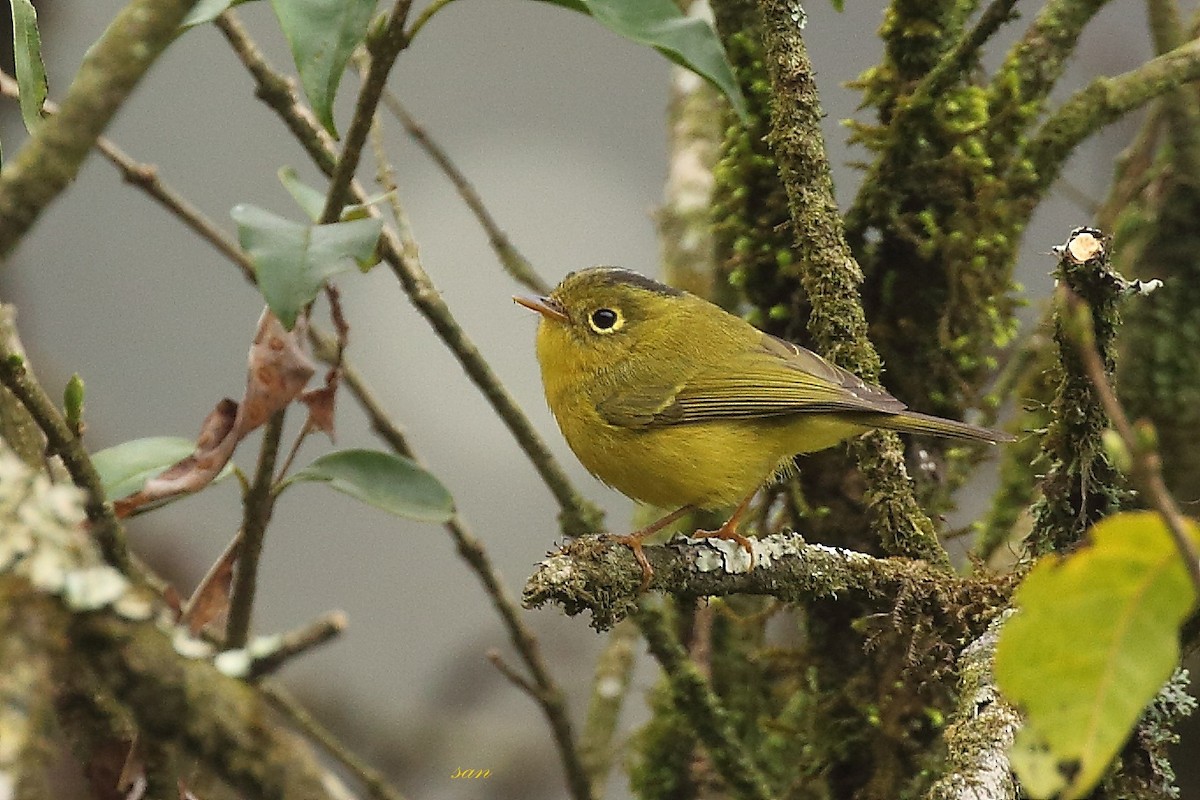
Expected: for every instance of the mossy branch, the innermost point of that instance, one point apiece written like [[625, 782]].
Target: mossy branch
[[1104, 100], [984, 725], [695, 701], [1081, 486], [831, 277], [601, 577], [52, 156]]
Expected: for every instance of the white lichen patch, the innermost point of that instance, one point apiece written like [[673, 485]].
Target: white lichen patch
[[93, 588], [728, 556], [234, 663], [42, 538], [189, 646]]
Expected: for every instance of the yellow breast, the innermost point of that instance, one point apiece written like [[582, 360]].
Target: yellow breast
[[708, 464]]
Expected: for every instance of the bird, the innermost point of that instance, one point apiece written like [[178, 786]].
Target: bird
[[675, 402]]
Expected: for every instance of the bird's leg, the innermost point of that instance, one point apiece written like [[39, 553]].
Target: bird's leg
[[729, 529], [634, 541]]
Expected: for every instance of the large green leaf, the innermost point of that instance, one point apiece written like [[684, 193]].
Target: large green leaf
[[1096, 635], [322, 35], [389, 482], [293, 260], [125, 468], [688, 41], [27, 60]]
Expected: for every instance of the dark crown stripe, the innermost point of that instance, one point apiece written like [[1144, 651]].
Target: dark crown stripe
[[618, 275]]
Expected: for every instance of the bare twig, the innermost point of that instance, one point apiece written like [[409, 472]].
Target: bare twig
[[514, 677], [146, 177], [372, 779], [510, 258], [299, 642], [426, 15], [53, 154], [259, 505]]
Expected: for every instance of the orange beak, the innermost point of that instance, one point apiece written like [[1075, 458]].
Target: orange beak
[[546, 306]]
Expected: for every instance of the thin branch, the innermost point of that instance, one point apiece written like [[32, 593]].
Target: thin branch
[[384, 50], [514, 677], [297, 643], [259, 505], [426, 15], [1035, 63], [1146, 464], [372, 779], [602, 577], [400, 252], [55, 151], [696, 701], [831, 277], [511, 259], [17, 377]]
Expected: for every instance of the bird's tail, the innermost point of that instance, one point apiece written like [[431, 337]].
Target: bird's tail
[[915, 422]]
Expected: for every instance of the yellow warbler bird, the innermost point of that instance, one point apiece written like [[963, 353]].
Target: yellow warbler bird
[[675, 402]]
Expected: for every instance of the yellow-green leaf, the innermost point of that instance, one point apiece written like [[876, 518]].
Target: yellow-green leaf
[[1096, 635]]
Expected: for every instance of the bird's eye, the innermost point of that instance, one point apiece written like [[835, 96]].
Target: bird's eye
[[605, 320]]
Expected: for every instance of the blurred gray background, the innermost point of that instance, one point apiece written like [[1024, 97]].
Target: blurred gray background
[[559, 124]]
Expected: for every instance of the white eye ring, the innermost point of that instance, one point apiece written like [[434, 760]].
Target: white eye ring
[[605, 320]]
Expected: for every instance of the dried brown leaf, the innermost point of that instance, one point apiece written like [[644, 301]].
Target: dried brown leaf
[[211, 598], [279, 370], [321, 404], [214, 448]]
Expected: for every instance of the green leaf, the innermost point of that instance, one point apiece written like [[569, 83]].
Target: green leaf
[[206, 11], [292, 260], [310, 200], [1095, 637], [688, 41], [322, 34], [27, 60], [389, 482], [125, 468]]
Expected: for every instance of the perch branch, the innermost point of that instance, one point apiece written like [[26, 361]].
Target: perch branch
[[603, 578]]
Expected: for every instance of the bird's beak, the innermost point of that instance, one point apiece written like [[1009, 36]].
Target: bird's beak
[[546, 306]]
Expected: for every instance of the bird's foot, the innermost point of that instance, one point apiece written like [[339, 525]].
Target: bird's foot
[[726, 531], [634, 542]]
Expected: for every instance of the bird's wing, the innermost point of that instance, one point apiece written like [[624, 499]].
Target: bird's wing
[[772, 379]]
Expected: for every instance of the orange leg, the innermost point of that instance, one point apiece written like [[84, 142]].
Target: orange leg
[[634, 541], [729, 530]]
